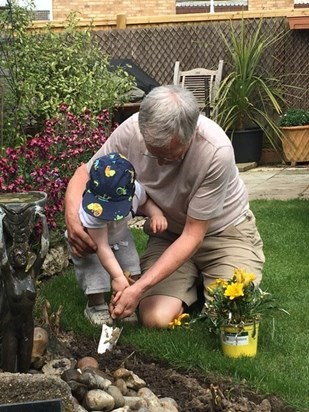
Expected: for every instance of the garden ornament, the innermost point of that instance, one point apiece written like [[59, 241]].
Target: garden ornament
[[22, 254]]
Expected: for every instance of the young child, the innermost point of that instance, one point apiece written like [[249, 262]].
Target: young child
[[112, 195]]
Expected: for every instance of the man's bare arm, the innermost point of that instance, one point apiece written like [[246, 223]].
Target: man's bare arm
[[80, 242], [173, 257]]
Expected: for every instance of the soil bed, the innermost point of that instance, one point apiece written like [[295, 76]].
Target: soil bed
[[191, 390]]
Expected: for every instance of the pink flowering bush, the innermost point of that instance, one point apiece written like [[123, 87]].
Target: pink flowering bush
[[47, 161]]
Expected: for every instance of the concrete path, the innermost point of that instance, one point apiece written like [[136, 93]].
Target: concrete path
[[276, 182]]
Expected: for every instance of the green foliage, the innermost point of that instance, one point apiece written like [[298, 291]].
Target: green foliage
[[247, 96], [294, 117], [45, 69]]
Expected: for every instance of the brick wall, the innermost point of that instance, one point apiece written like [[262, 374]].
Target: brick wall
[[270, 4], [111, 8]]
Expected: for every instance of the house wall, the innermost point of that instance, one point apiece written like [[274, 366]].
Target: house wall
[[110, 8], [270, 4]]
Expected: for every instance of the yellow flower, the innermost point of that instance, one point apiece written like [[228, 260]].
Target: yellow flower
[[217, 283], [236, 301], [250, 277], [179, 321], [234, 290], [241, 276]]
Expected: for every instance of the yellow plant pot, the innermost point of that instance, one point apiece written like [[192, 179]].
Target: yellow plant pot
[[239, 341]]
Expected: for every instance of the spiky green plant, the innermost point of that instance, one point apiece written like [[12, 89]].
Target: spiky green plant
[[248, 96]]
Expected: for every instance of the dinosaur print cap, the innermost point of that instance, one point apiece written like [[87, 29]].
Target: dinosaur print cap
[[110, 189]]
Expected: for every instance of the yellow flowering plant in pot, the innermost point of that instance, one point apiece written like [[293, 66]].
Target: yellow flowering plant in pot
[[235, 308]]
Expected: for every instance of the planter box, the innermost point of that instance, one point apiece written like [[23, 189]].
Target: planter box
[[270, 157], [296, 144]]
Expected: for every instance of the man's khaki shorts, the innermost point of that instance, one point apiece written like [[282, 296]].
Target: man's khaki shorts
[[237, 246]]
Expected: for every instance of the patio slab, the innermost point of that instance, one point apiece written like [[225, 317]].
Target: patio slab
[[281, 183]]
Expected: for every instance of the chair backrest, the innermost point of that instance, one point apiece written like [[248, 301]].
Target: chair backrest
[[203, 83]]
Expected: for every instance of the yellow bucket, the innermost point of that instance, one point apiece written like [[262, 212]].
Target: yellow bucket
[[239, 341]]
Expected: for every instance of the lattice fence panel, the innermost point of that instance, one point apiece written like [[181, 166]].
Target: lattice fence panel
[[297, 67], [155, 50]]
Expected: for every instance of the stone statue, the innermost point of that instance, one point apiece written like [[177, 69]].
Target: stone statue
[[21, 257]]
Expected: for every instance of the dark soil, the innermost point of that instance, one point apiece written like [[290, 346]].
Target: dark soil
[[192, 391]]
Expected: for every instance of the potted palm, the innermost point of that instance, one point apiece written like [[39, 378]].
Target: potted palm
[[294, 124], [248, 98]]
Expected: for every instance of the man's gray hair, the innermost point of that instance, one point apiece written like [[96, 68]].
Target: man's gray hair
[[168, 112]]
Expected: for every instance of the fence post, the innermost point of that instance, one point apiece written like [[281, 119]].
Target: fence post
[[121, 21]]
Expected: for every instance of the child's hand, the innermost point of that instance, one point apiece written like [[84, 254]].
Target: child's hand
[[158, 223], [119, 283]]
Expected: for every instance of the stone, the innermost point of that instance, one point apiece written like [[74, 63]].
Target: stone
[[40, 342], [169, 404], [79, 390], [80, 408], [56, 366], [135, 402], [70, 374], [153, 402], [94, 380], [56, 260], [117, 395], [131, 379], [87, 362], [121, 373], [17, 388], [121, 385], [97, 399]]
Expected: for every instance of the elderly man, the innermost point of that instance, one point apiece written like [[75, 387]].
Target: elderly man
[[186, 163]]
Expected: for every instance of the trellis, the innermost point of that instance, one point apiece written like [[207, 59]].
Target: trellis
[[155, 50]]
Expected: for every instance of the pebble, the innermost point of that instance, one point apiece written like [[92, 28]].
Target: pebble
[[87, 362], [95, 390], [99, 400]]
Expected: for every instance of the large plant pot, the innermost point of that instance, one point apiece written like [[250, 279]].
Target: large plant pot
[[295, 144], [247, 144], [239, 341]]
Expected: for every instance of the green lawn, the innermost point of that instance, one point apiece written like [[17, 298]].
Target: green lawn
[[282, 363]]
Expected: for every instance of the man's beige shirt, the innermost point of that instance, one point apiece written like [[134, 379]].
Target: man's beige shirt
[[205, 185]]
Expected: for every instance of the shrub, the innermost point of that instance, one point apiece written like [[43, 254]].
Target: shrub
[[294, 117], [43, 69], [47, 161]]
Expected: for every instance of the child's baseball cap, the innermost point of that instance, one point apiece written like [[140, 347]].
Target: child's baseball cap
[[110, 189]]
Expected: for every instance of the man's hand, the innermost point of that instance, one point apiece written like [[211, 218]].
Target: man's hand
[[80, 242], [124, 303]]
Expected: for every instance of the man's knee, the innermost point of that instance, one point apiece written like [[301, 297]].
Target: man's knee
[[159, 311]]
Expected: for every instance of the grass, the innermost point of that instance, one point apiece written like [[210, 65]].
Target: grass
[[281, 366]]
